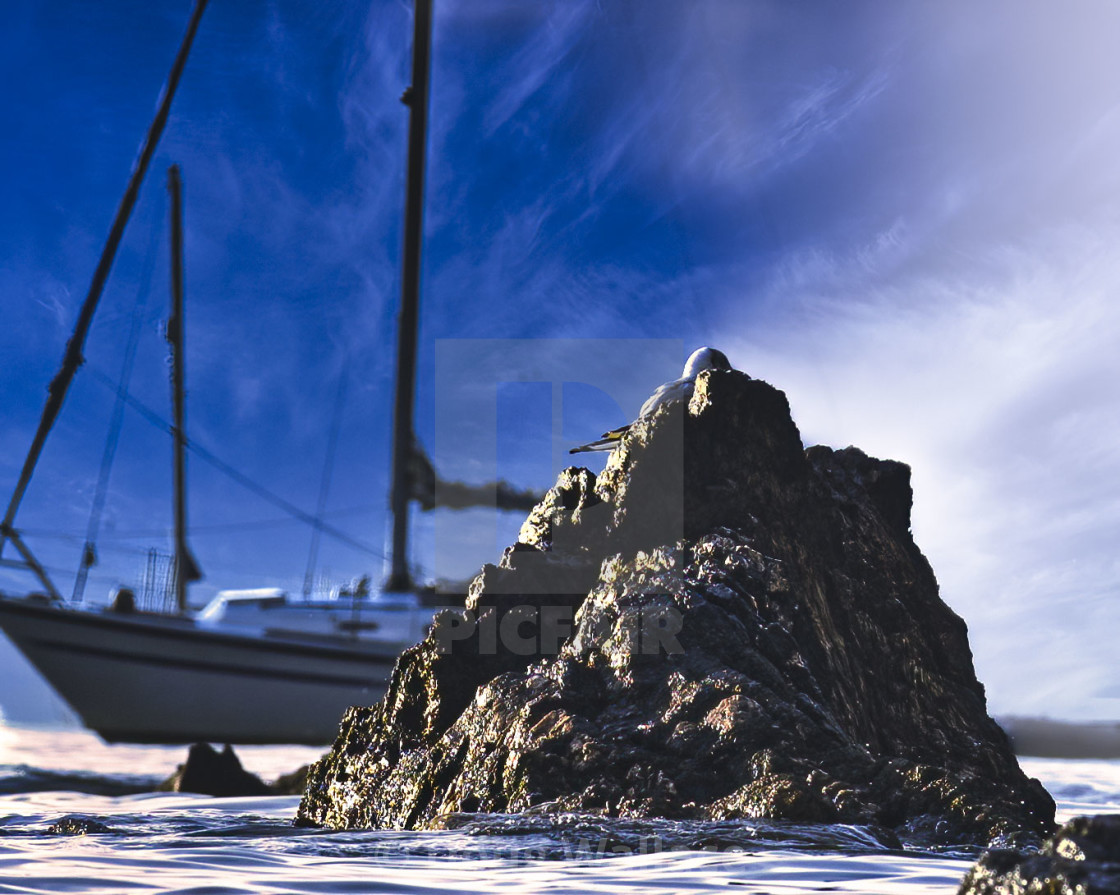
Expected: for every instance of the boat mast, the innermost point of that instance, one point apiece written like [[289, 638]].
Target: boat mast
[[186, 569], [416, 98], [73, 359]]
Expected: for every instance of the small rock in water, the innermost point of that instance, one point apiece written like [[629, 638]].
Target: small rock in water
[[77, 825], [1082, 858], [214, 773], [292, 784]]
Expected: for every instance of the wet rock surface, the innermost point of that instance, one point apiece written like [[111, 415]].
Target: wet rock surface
[[721, 626], [78, 825], [212, 773], [1082, 858]]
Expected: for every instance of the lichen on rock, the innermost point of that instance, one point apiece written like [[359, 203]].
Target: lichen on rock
[[742, 629]]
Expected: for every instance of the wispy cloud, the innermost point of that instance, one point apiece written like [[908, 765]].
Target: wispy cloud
[[997, 389], [907, 214], [538, 63], [55, 298]]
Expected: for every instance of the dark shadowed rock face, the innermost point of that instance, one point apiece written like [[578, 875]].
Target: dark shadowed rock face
[[755, 635], [214, 773], [1083, 858]]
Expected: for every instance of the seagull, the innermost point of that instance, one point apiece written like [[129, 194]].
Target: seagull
[[678, 390]]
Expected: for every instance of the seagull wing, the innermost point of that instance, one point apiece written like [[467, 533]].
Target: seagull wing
[[606, 443], [677, 390]]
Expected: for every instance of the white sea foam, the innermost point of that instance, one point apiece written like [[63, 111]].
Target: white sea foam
[[1078, 785], [206, 859], [175, 844]]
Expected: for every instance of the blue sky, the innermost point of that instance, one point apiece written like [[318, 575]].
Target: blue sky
[[905, 216]]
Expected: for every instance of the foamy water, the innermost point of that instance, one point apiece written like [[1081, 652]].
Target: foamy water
[[1079, 786], [173, 843]]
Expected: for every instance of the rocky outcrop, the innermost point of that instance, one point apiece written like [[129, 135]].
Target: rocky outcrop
[[720, 625], [1082, 858], [212, 773]]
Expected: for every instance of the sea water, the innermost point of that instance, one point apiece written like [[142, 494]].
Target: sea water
[[175, 843]]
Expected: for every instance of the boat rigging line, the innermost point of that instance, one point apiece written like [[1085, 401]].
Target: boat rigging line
[[72, 358], [93, 528], [325, 484], [260, 490], [128, 534]]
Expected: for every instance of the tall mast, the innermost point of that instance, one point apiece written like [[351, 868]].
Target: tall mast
[[185, 569], [73, 359], [416, 98]]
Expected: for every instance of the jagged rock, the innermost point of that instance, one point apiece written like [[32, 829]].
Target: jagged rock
[[1082, 858], [214, 773], [754, 634], [292, 784]]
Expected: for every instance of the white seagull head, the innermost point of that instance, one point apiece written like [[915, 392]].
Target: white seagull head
[[705, 359]]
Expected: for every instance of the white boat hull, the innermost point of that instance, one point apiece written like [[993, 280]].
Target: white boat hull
[[145, 678]]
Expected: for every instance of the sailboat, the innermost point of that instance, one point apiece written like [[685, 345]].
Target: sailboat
[[254, 666]]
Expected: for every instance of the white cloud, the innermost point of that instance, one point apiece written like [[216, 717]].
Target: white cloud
[[999, 390]]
